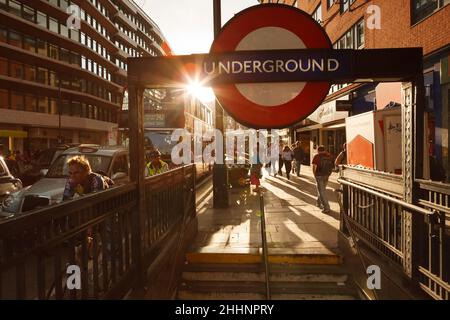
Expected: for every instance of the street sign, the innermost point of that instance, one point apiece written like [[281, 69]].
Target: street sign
[[343, 105], [272, 104]]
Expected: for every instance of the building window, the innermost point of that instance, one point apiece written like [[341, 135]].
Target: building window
[[3, 35], [17, 102], [41, 76], [353, 38], [424, 8], [15, 39], [75, 35], [30, 103], [360, 35], [53, 25], [29, 44], [53, 50], [41, 47], [64, 31], [14, 8], [16, 69], [43, 104], [3, 67], [41, 19], [28, 13], [317, 15], [4, 99], [30, 72], [345, 5]]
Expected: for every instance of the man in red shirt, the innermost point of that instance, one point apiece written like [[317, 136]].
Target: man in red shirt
[[322, 166]]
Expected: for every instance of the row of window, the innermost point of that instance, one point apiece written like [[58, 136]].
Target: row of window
[[64, 4], [345, 4], [53, 25], [46, 21], [25, 102], [352, 39], [134, 20], [23, 71], [36, 45]]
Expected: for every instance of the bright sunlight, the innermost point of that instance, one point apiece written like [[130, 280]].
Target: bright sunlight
[[204, 94]]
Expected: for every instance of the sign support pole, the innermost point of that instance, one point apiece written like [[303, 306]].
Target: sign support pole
[[220, 175]]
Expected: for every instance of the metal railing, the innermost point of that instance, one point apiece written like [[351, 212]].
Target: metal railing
[[264, 245], [376, 216], [92, 233], [434, 266]]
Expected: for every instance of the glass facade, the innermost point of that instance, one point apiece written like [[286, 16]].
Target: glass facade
[[92, 53]]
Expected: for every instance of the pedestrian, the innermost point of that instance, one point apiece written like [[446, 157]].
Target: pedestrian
[[155, 165], [287, 156], [298, 156], [322, 166], [280, 159], [255, 169], [274, 161], [82, 180], [342, 157]]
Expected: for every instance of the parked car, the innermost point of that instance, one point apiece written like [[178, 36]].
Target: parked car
[[8, 183], [108, 160]]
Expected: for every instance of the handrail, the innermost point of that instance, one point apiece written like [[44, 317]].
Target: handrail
[[402, 203], [354, 241], [264, 244]]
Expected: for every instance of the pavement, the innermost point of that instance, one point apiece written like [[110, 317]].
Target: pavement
[[296, 229]]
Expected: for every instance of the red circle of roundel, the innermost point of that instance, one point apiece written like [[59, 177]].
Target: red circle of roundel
[[271, 15]]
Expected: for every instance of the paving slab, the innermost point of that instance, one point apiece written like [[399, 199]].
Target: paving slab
[[294, 225]]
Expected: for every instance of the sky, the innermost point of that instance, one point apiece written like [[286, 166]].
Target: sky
[[188, 24]]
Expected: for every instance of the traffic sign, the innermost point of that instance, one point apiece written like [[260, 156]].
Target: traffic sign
[[272, 27]]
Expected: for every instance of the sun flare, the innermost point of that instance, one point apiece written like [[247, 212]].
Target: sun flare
[[204, 94]]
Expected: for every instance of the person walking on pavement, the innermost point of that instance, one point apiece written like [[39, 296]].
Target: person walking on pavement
[[280, 160], [322, 166], [155, 165], [298, 156], [255, 169], [287, 156]]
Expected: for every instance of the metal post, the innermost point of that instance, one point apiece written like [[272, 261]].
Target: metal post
[[137, 174], [59, 109], [220, 175]]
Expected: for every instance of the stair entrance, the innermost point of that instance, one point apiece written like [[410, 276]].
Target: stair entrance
[[221, 271]]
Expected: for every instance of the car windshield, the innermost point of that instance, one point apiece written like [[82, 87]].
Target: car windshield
[[160, 140], [59, 167]]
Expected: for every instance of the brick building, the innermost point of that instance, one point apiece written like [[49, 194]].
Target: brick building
[[367, 24], [63, 70]]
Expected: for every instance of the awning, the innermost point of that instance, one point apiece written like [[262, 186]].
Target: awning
[[13, 133]]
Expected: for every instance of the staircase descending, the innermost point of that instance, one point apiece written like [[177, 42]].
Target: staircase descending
[[235, 280]]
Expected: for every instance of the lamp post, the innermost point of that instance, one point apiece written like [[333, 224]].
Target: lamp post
[[220, 174]]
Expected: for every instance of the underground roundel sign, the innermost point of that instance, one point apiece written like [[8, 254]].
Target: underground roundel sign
[[271, 27]]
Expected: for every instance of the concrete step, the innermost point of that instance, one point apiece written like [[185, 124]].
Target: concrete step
[[311, 258], [255, 272], [256, 290]]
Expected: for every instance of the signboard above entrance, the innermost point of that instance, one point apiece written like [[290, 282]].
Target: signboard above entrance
[[269, 104]]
